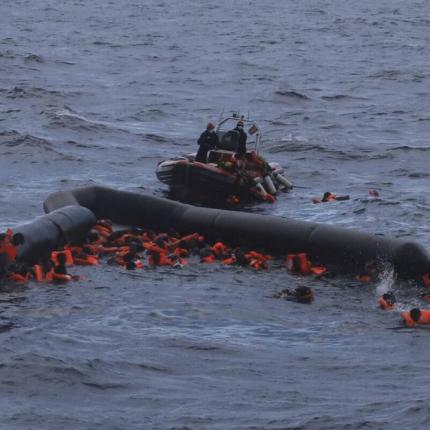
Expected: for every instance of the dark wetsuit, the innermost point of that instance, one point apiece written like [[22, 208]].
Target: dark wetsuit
[[207, 141], [242, 141]]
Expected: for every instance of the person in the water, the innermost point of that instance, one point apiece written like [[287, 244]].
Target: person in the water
[[300, 295], [208, 140]]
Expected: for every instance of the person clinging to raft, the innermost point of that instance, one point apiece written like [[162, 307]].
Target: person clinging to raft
[[301, 294]]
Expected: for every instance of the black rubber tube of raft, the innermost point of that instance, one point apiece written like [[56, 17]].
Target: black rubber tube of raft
[[348, 249], [48, 232]]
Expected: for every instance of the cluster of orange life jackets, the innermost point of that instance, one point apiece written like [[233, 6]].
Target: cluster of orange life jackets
[[131, 249]]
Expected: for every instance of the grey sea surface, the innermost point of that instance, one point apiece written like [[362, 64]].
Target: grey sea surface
[[98, 93]]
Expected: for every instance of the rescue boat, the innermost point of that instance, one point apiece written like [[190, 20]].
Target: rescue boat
[[224, 174]]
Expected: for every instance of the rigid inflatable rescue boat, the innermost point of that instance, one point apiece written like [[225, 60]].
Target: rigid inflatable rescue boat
[[223, 172]]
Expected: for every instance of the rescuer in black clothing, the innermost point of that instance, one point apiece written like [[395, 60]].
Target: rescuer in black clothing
[[208, 140], [242, 138]]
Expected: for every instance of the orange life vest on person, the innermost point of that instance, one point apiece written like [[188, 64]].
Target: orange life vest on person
[[38, 273], [67, 253], [364, 278], [426, 280], [219, 249], [330, 198], [181, 252], [187, 240], [87, 260], [229, 261], [6, 246], [257, 260], [154, 248], [298, 263], [318, 270], [233, 200], [208, 259], [424, 318], [18, 278], [407, 319]]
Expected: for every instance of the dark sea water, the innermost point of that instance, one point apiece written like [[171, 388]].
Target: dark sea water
[[97, 93]]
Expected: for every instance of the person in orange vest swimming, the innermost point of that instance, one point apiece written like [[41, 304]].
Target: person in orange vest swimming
[[416, 317], [301, 294], [387, 301], [329, 197]]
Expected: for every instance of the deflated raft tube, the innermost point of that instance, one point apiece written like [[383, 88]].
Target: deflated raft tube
[[347, 249], [46, 233]]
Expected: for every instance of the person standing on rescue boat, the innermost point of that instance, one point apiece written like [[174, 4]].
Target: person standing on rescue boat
[[208, 140], [242, 138]]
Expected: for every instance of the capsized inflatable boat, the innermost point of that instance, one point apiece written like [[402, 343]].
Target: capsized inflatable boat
[[352, 251], [225, 174]]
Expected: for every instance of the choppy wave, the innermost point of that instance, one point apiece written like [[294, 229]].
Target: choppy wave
[[24, 92], [292, 94], [15, 144], [69, 119]]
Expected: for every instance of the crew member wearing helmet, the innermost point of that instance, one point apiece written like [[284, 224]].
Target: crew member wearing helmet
[[242, 138], [208, 140]]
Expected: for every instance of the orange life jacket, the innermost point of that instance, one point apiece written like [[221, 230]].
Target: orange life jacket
[[18, 278], [318, 270], [298, 263], [233, 200], [229, 260], [6, 246], [99, 249], [181, 252], [67, 253], [10, 251], [426, 280], [38, 273], [154, 248], [208, 259], [424, 318], [219, 249], [331, 197], [407, 319], [364, 278], [61, 277], [187, 240], [87, 260]]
